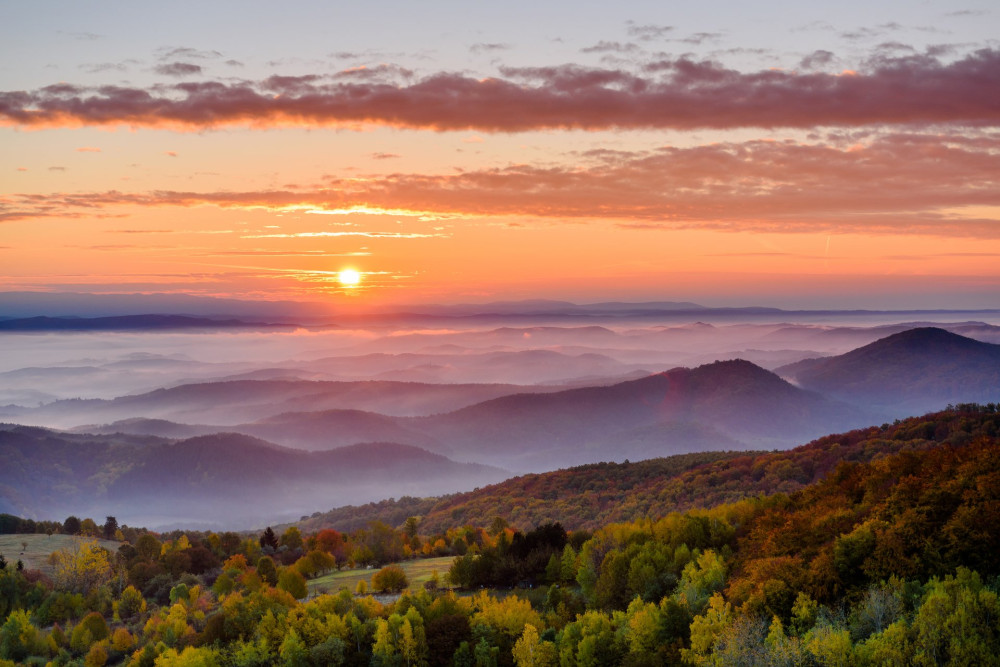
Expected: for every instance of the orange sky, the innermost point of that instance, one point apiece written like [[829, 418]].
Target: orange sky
[[864, 174]]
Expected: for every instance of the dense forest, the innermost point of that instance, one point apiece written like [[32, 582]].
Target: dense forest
[[875, 547], [590, 496]]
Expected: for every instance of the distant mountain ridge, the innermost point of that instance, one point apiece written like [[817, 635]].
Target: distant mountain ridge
[[150, 322], [733, 403], [913, 370], [720, 406], [69, 304], [145, 480], [238, 401]]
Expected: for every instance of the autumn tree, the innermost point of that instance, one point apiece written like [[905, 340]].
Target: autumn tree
[[81, 567], [292, 538], [390, 578]]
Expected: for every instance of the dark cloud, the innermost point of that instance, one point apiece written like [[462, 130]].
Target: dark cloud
[[488, 47], [178, 69], [678, 93], [817, 59], [382, 71], [384, 156], [895, 47]]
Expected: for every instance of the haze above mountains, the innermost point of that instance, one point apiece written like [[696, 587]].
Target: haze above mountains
[[244, 414]]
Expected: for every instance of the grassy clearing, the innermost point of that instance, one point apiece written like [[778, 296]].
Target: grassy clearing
[[417, 572], [39, 546]]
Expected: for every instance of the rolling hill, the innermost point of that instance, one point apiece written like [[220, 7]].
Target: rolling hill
[[239, 401], [908, 372], [724, 405], [729, 405], [229, 478], [590, 496]]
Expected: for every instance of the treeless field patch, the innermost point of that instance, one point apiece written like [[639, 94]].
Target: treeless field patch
[[39, 546], [417, 572]]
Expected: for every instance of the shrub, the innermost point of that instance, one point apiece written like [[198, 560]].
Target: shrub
[[390, 578]]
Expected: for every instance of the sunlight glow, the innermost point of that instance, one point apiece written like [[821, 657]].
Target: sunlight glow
[[349, 277]]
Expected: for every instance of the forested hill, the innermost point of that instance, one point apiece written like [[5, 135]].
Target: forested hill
[[590, 496]]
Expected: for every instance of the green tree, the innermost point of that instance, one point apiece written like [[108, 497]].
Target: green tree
[[292, 538], [293, 651], [267, 571], [294, 583], [189, 657], [91, 629], [18, 637], [957, 622], [530, 651], [390, 578], [110, 528], [383, 648], [147, 547], [268, 538], [71, 526], [130, 604]]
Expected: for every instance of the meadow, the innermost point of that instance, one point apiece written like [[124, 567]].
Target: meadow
[[418, 572], [34, 549]]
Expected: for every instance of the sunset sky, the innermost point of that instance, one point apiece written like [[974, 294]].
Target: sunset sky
[[729, 153]]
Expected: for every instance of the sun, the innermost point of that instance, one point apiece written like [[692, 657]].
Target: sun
[[349, 277]]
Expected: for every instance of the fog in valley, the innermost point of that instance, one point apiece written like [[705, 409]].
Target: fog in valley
[[249, 424]]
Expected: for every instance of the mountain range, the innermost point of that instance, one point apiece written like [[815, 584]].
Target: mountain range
[[148, 480], [289, 445], [720, 406]]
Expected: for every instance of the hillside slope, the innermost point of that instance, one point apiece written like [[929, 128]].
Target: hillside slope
[[225, 478], [590, 496], [731, 404], [907, 372]]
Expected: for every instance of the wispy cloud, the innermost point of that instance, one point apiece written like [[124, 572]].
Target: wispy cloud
[[488, 47], [368, 235], [648, 32], [172, 53], [678, 93], [611, 47], [897, 183]]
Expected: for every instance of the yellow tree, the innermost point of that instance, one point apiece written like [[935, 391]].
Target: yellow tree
[[81, 567], [530, 651]]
